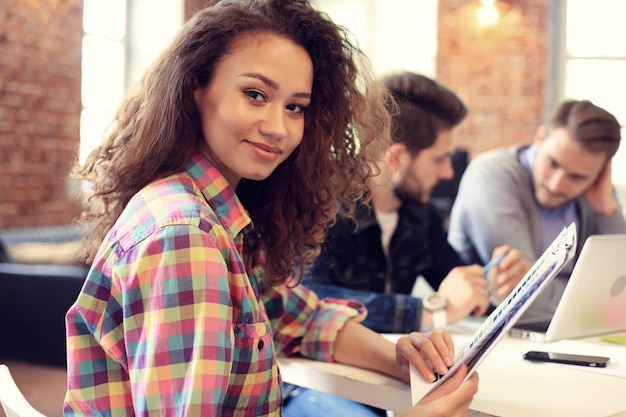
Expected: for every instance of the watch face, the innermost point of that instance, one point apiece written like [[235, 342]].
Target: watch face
[[434, 302]]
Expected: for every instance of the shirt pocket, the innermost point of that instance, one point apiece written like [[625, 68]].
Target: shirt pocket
[[254, 382]]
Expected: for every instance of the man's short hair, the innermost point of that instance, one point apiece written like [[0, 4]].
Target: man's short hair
[[594, 128], [422, 108]]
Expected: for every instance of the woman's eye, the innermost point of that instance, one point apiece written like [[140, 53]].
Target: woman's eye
[[296, 108], [255, 95]]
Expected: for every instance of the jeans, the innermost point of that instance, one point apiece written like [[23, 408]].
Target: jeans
[[386, 313], [304, 402]]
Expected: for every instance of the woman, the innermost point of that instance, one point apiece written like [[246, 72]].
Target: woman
[[211, 190]]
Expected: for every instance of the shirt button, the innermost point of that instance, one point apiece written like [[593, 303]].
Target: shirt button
[[261, 344]]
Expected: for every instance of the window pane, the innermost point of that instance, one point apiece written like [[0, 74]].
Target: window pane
[[600, 81], [105, 18], [395, 34], [92, 126], [103, 72], [152, 24], [353, 15], [406, 36], [596, 28]]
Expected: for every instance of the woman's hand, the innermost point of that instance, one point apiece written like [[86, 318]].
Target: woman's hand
[[359, 346], [434, 352], [450, 399]]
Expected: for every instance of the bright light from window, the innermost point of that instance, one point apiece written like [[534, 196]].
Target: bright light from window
[[103, 72], [597, 28], [105, 18], [103, 65], [406, 36], [92, 125], [583, 81], [596, 62], [395, 34]]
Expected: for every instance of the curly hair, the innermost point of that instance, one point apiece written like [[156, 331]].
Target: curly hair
[[157, 129]]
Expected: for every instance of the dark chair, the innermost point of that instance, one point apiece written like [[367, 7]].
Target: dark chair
[[33, 302], [4, 255], [34, 299]]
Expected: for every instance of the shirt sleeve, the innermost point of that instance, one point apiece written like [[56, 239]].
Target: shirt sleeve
[[302, 323], [493, 207], [615, 223]]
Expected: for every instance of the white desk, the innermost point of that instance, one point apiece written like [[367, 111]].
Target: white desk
[[509, 386]]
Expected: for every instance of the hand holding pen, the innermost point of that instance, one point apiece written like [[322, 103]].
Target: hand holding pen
[[493, 264], [505, 271]]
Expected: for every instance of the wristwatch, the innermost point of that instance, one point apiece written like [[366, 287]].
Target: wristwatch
[[436, 304]]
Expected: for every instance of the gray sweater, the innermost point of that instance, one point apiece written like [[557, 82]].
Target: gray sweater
[[495, 205]]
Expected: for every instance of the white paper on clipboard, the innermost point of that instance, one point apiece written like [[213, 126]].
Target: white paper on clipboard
[[558, 254]]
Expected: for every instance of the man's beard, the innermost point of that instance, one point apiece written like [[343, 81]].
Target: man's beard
[[403, 195], [399, 193]]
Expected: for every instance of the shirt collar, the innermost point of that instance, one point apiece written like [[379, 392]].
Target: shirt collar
[[219, 194], [526, 157]]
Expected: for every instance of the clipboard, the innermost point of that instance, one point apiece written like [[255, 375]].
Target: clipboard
[[498, 323]]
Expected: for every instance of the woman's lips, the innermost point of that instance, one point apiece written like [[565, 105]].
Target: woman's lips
[[265, 151]]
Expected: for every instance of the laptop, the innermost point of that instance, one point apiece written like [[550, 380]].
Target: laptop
[[593, 302]]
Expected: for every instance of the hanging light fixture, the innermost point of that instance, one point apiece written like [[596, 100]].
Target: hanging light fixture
[[487, 13]]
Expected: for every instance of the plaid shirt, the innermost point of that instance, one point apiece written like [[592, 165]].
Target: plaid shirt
[[170, 323]]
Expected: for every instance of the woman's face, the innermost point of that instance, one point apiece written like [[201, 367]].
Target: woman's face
[[253, 109]]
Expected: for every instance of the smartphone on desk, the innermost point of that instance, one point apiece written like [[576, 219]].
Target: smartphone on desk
[[570, 359]]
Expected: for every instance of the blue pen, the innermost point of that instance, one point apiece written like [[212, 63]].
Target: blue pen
[[493, 263]]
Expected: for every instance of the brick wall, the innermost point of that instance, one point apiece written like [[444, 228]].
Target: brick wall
[[40, 105], [192, 6], [499, 71], [40, 75]]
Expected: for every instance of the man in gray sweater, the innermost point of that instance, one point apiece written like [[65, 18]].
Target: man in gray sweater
[[525, 195]]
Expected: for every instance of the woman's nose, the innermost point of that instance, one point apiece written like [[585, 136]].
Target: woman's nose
[[273, 123]]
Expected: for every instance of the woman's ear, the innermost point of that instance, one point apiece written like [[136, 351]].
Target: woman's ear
[[197, 96]]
